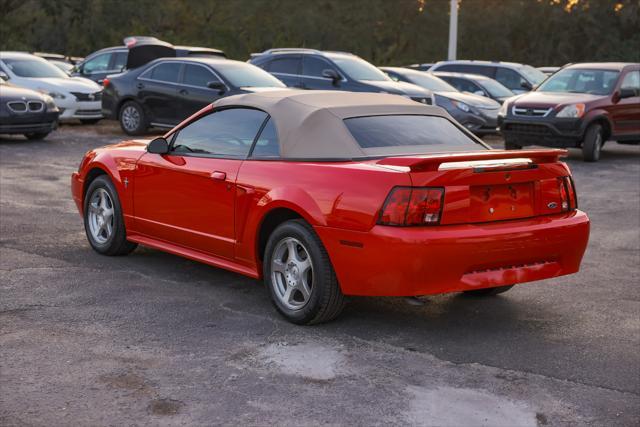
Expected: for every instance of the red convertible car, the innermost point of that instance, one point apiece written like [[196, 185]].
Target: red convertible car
[[327, 194]]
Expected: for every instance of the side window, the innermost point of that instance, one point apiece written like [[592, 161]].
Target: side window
[[314, 66], [98, 64], [448, 67], [226, 133], [267, 145], [631, 81], [167, 72], [119, 61], [509, 78], [393, 76], [285, 65], [464, 85], [483, 70], [196, 75]]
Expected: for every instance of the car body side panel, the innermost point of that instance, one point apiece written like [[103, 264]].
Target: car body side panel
[[324, 194]]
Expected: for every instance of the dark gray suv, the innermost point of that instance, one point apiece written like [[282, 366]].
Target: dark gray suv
[[323, 70]]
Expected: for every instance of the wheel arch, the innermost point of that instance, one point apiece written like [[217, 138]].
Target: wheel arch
[[602, 120], [90, 176], [123, 101], [269, 222]]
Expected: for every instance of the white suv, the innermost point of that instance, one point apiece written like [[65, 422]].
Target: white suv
[[519, 78], [75, 97]]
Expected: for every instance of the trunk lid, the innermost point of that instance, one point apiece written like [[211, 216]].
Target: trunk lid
[[491, 185]]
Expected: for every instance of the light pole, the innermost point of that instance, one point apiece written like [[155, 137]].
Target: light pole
[[453, 30]]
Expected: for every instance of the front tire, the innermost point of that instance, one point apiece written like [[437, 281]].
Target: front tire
[[103, 220], [36, 136], [299, 275], [489, 292], [593, 142], [133, 119]]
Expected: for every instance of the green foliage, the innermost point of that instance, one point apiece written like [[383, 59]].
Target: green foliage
[[538, 32]]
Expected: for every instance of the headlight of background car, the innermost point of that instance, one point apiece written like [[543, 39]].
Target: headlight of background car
[[573, 111], [503, 109], [53, 94], [461, 105], [51, 105]]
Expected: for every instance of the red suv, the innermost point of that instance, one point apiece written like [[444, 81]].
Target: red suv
[[582, 105]]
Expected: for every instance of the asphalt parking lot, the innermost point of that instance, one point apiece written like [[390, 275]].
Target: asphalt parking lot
[[152, 338]]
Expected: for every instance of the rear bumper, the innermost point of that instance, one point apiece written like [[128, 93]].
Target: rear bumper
[[395, 261]]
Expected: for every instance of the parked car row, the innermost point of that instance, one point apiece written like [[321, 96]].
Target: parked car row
[[150, 83]]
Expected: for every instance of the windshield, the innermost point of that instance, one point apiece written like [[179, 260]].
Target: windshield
[[495, 89], [246, 75], [534, 75], [408, 134], [596, 82], [430, 82], [33, 68], [359, 69]]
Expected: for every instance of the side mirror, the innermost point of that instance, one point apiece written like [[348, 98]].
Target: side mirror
[[4, 76], [526, 85], [479, 92], [217, 85], [627, 92], [158, 146], [331, 74]]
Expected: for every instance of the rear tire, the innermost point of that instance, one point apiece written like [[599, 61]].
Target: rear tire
[[36, 136], [593, 142], [103, 220], [299, 275], [132, 119], [488, 292]]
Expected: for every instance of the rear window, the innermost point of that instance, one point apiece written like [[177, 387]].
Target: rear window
[[409, 134]]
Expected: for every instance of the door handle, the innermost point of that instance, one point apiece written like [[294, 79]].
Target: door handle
[[184, 92], [140, 85], [219, 176]]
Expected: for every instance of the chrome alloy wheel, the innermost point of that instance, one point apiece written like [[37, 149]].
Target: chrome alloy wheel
[[292, 273], [100, 216], [130, 118]]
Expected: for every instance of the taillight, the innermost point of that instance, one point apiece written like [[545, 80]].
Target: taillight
[[105, 82], [568, 196], [571, 189], [410, 206]]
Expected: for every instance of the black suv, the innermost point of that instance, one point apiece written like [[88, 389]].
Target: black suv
[[323, 70]]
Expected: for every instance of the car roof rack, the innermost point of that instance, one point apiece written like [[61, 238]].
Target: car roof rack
[[289, 49]]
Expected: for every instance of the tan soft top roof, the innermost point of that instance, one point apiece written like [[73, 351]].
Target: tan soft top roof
[[310, 123]]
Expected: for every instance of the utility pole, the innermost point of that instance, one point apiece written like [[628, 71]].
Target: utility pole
[[453, 30]]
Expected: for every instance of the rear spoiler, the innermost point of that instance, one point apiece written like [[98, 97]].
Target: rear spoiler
[[483, 159]]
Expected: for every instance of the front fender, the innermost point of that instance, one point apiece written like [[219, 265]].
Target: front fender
[[594, 115], [119, 166]]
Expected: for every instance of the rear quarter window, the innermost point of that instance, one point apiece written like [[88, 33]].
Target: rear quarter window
[[409, 134]]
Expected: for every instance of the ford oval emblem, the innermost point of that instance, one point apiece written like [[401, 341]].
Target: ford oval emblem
[[552, 205]]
